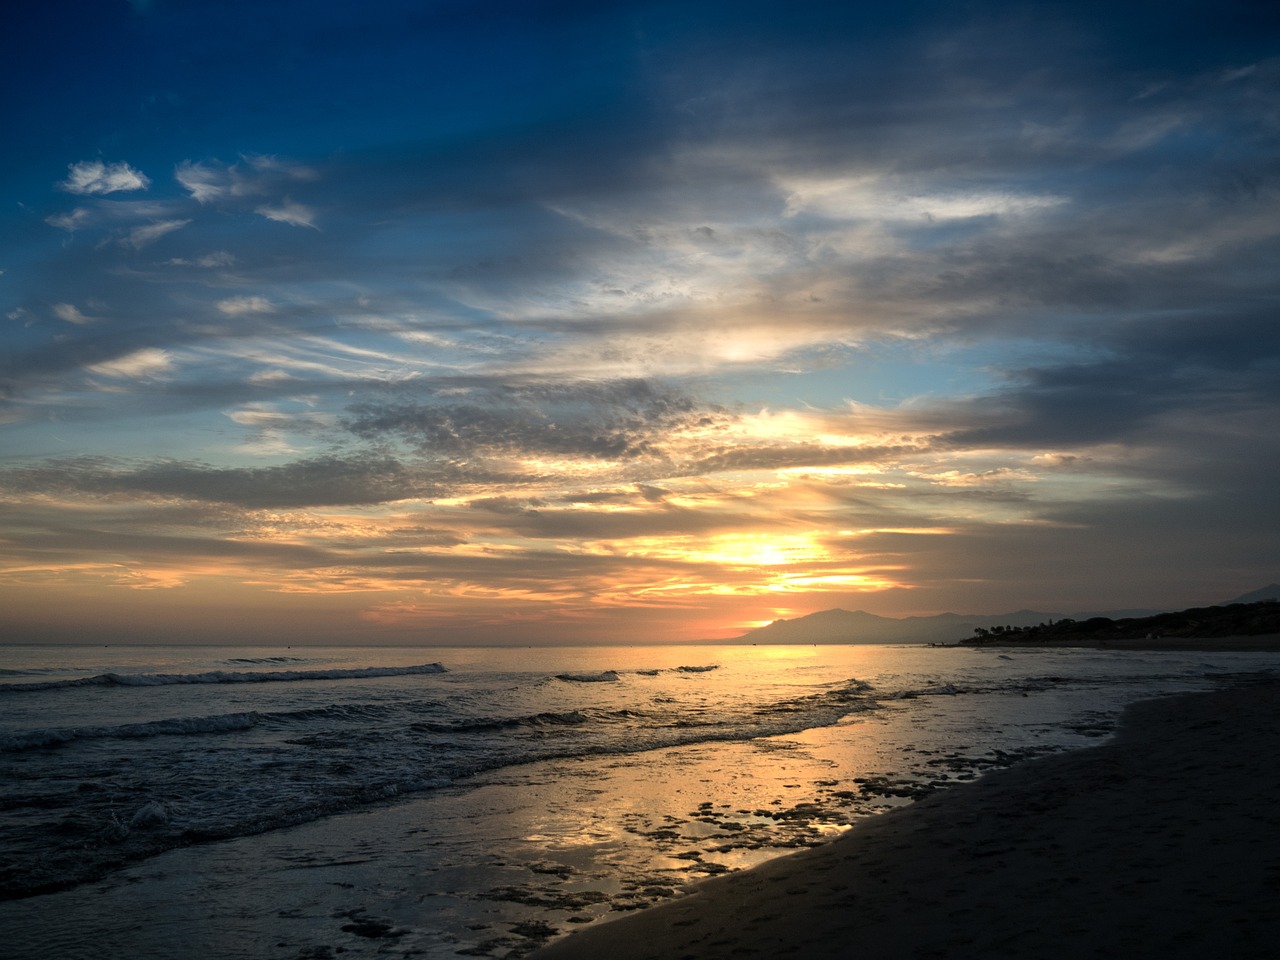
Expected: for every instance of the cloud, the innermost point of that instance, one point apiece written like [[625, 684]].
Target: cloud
[[71, 314], [93, 177], [142, 236], [268, 165], [147, 362], [241, 306], [271, 376], [134, 223], [305, 483], [209, 261], [882, 198], [76, 219], [798, 286], [1143, 383], [616, 421], [211, 181], [294, 214], [204, 182]]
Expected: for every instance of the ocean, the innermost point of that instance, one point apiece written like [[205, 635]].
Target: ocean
[[220, 802]]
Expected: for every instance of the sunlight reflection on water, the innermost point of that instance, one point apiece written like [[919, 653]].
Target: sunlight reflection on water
[[571, 839]]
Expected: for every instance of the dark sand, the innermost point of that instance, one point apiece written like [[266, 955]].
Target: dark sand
[[1163, 842]]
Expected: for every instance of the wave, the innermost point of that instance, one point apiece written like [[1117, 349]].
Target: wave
[[534, 720], [348, 716], [220, 676], [177, 726], [270, 660], [764, 720], [652, 730], [935, 690], [605, 676], [611, 676], [342, 757], [34, 671]]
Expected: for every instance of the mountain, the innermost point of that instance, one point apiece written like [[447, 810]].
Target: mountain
[[1271, 592], [858, 626], [1117, 614]]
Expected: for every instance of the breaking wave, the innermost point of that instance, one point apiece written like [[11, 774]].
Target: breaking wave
[[605, 676], [219, 676], [178, 726], [611, 676]]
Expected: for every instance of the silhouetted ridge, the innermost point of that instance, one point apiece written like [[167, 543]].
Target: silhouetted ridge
[[1230, 620]]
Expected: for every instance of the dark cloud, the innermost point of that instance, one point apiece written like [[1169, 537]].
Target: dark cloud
[[716, 459], [316, 482], [620, 421], [70, 544], [1216, 370]]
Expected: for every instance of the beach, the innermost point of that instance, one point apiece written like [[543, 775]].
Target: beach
[[239, 803], [1162, 842]]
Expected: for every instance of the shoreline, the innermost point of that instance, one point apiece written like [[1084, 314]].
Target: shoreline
[[1162, 842], [1260, 643]]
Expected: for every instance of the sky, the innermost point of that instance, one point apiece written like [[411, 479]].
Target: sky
[[526, 323]]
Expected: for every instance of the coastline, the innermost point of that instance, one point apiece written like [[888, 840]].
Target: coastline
[[1162, 842], [1232, 644]]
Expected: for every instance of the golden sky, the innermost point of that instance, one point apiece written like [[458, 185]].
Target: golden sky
[[634, 323]]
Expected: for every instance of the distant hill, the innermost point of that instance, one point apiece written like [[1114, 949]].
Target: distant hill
[[1116, 614], [1271, 592], [1260, 618], [858, 626]]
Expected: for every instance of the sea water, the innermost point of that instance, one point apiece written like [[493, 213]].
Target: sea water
[[297, 803]]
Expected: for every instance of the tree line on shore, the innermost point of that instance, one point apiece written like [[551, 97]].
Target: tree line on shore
[[1230, 620]]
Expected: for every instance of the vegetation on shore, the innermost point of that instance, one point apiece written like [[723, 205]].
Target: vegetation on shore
[[1230, 620]]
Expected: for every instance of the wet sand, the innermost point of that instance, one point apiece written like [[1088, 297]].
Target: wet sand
[[1163, 842]]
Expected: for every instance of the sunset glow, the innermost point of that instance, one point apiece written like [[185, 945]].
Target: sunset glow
[[549, 325]]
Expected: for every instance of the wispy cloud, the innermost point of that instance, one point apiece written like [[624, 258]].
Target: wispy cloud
[[208, 261], [204, 182], [70, 221], [888, 199], [210, 181], [71, 313], [141, 363], [147, 234], [287, 211], [94, 177], [240, 306]]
